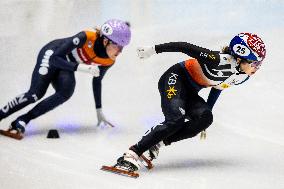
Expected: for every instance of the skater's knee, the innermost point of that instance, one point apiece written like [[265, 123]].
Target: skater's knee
[[205, 120], [65, 94], [66, 91], [207, 117]]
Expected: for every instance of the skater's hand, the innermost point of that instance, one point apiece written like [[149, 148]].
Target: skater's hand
[[145, 52], [102, 119], [91, 69]]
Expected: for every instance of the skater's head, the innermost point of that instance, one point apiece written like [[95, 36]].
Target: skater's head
[[116, 34], [249, 51]]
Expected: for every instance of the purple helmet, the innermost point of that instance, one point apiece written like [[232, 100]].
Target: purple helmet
[[117, 31]]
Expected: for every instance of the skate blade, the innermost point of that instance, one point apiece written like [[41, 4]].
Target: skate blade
[[146, 162], [118, 171], [12, 135]]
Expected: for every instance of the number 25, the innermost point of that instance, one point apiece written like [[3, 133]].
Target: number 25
[[241, 50]]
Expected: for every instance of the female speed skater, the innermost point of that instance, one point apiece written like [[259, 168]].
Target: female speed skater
[[90, 51], [186, 113]]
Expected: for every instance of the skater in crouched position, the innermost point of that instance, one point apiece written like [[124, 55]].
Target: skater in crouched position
[[90, 51], [186, 113]]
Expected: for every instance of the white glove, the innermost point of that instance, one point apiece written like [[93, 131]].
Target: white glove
[[145, 52], [102, 119], [91, 69]]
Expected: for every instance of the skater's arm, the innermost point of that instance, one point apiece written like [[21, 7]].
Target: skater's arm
[[213, 96], [97, 89], [191, 50], [58, 58], [97, 86]]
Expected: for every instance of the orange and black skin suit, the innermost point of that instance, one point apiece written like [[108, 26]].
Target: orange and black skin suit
[[186, 113]]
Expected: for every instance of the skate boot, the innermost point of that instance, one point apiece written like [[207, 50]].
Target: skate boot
[[143, 159], [18, 126], [126, 165], [129, 161], [147, 158], [154, 150], [16, 130]]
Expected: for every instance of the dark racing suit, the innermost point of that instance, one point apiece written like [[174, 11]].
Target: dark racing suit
[[186, 113], [56, 63]]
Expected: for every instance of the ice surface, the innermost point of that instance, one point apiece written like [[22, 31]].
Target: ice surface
[[245, 145]]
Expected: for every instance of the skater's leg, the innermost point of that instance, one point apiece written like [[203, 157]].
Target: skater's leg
[[22, 101], [64, 85], [39, 84], [157, 134], [200, 118], [174, 96]]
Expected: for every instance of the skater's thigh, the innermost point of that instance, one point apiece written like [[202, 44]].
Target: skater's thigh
[[43, 73], [64, 81], [173, 92]]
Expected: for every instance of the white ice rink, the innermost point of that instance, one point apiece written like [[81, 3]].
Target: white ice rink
[[245, 145]]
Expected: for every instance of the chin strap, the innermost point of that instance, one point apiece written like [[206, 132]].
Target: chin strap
[[99, 48]]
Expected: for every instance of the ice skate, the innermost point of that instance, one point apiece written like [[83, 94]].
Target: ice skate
[[153, 152], [127, 165], [143, 159], [16, 130], [146, 162]]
